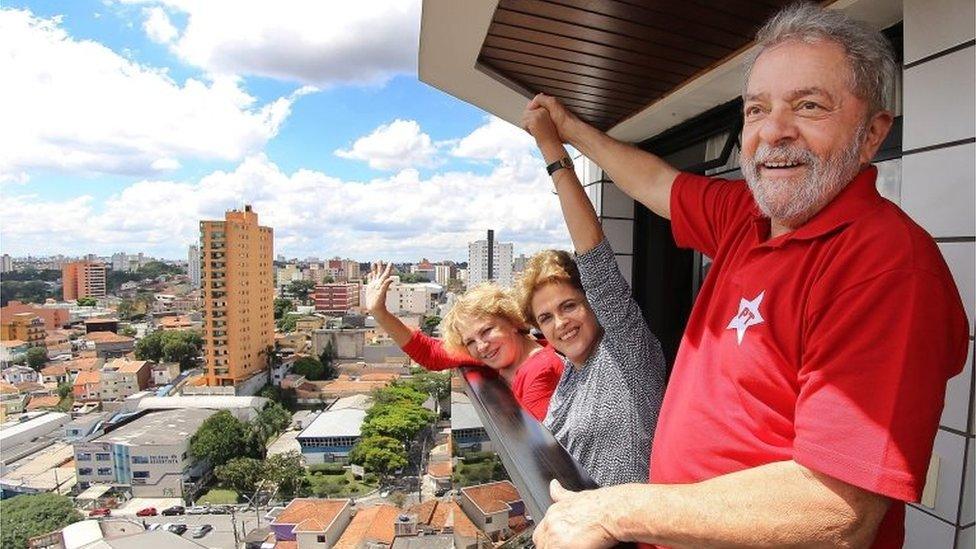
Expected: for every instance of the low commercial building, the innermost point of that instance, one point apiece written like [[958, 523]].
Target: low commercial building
[[331, 436], [46, 470], [102, 325], [467, 432], [150, 455], [311, 523], [495, 508], [244, 408], [31, 426]]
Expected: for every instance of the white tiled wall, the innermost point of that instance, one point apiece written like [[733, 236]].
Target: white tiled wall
[[939, 192], [616, 212]]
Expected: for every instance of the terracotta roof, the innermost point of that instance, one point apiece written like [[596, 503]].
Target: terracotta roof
[[175, 322], [379, 377], [286, 545], [54, 370], [82, 364], [371, 524], [30, 386], [462, 524], [439, 469], [130, 366], [88, 376], [107, 337], [301, 510], [13, 343], [46, 401], [492, 497], [432, 512], [8, 388]]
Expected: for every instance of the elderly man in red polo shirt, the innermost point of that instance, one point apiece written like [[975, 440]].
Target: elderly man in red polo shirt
[[809, 383]]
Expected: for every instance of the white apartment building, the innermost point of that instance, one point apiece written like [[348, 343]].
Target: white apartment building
[[193, 266], [150, 455], [418, 299], [442, 274], [500, 260], [6, 263]]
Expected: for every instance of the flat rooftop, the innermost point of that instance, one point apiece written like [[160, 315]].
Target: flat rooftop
[[463, 415], [159, 428], [336, 423]]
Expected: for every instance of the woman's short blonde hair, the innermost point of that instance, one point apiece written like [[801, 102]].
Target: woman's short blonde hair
[[484, 300], [545, 267]]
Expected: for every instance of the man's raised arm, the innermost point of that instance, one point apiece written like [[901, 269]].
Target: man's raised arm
[[643, 176]]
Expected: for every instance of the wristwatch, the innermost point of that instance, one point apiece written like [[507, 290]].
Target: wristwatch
[[563, 162]]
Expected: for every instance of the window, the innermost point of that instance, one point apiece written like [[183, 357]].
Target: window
[[320, 539], [103, 457], [84, 457], [85, 471], [140, 474], [140, 459], [105, 471]]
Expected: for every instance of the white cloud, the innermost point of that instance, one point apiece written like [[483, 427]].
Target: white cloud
[[394, 146], [399, 217], [77, 106], [308, 41], [158, 26], [496, 140]]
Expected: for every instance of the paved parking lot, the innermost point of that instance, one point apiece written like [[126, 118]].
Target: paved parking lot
[[222, 536]]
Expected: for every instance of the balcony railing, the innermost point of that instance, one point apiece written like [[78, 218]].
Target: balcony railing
[[530, 453]]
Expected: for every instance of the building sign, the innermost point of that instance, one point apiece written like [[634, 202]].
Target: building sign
[[172, 459]]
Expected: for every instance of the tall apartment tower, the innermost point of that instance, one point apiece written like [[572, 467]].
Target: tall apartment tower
[[83, 279], [490, 260], [238, 293], [6, 263], [193, 266]]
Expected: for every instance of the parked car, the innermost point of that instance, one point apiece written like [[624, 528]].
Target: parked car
[[201, 530], [146, 512], [174, 510], [177, 529], [198, 510], [100, 512], [221, 509], [441, 491]]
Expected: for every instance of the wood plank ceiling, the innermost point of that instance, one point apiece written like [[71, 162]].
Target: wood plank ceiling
[[609, 59]]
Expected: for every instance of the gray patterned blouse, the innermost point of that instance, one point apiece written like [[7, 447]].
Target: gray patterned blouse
[[604, 411]]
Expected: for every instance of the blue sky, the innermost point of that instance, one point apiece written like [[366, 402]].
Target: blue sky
[[132, 120]]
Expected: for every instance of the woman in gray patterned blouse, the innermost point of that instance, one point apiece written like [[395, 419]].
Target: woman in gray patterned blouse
[[605, 407]]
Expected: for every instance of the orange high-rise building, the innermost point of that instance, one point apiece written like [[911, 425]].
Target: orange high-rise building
[[83, 279], [238, 293]]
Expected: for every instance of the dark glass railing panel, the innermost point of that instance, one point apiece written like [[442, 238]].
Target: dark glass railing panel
[[530, 453]]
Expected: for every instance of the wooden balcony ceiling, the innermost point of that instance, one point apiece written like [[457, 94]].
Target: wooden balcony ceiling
[[610, 59]]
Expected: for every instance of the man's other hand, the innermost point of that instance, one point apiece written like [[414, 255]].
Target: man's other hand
[[561, 117], [576, 520]]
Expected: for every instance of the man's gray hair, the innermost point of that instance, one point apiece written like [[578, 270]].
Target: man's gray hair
[[868, 51]]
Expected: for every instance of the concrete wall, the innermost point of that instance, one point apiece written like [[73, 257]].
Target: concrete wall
[[938, 190]]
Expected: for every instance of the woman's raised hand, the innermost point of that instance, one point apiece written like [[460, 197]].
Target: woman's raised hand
[[377, 284]]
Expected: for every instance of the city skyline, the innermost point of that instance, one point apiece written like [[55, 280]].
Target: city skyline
[[136, 120]]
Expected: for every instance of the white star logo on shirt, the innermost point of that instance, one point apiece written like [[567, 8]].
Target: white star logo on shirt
[[748, 315]]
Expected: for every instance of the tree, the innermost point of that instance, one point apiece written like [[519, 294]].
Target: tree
[[87, 302], [398, 392], [301, 289], [27, 516], [128, 331], [221, 438], [379, 453], [64, 389], [287, 398], [173, 346], [435, 384], [310, 367], [126, 309], [270, 422], [287, 324], [286, 471], [242, 474], [401, 421], [282, 306], [327, 358], [430, 324], [37, 357]]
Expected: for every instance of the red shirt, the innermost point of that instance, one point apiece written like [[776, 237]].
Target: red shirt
[[830, 345], [534, 382]]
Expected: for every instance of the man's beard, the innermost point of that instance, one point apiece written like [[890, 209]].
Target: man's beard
[[792, 202]]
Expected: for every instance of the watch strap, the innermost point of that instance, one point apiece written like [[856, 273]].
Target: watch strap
[[563, 162]]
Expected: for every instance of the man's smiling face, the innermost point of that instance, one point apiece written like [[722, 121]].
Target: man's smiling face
[[804, 132]]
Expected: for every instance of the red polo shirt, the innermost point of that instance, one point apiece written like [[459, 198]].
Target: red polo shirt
[[830, 345]]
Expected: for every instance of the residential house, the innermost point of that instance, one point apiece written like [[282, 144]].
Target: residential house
[[110, 345], [12, 350], [11, 400], [82, 364], [312, 523], [55, 373], [495, 508], [165, 373], [43, 402], [371, 527], [87, 386], [122, 378], [20, 374]]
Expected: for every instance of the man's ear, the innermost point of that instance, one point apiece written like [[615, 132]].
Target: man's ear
[[877, 130]]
